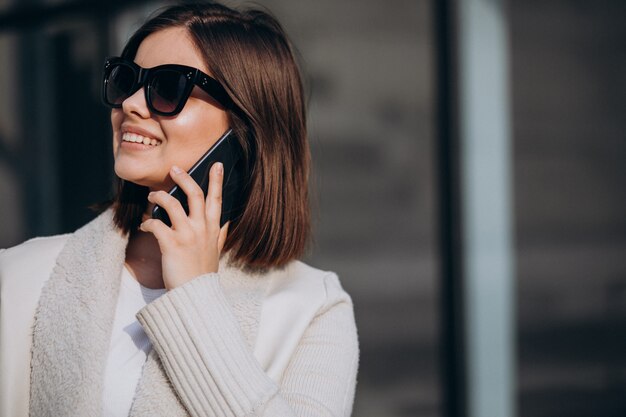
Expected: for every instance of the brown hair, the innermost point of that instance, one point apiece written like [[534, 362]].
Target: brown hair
[[250, 55]]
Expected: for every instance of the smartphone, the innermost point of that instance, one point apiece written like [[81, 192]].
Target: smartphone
[[226, 150]]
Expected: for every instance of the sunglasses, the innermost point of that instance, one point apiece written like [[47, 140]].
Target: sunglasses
[[167, 87]]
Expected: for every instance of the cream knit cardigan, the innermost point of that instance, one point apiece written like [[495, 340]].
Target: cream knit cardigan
[[281, 343]]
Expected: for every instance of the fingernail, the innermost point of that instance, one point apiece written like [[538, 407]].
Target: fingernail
[[219, 168], [176, 170], [150, 195]]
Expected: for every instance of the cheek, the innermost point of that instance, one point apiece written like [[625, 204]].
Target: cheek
[[186, 122], [189, 128], [193, 131], [200, 116]]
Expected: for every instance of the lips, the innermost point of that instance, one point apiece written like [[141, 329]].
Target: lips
[[137, 138]]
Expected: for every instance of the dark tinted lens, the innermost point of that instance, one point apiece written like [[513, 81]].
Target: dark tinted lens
[[120, 84], [167, 89]]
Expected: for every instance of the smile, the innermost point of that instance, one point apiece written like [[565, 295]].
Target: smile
[[135, 138]]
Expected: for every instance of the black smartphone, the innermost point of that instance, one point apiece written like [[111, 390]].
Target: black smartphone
[[226, 150]]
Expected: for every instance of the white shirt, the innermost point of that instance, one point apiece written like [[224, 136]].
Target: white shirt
[[129, 347]]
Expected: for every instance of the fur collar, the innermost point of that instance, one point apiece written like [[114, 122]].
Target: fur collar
[[74, 319]]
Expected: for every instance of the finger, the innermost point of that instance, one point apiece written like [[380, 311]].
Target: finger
[[195, 196], [159, 229], [214, 196], [172, 206], [221, 240]]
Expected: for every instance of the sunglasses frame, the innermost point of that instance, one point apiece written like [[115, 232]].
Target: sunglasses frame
[[145, 76]]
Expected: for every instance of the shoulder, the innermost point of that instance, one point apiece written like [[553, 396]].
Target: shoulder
[[32, 259], [296, 297], [303, 284]]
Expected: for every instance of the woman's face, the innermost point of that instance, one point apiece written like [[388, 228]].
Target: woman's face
[[178, 140]]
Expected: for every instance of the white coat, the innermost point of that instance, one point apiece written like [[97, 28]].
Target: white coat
[[281, 343]]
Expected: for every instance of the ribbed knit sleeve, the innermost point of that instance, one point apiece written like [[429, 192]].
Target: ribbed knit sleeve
[[215, 373]]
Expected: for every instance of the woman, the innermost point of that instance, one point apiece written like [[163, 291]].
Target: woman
[[228, 322]]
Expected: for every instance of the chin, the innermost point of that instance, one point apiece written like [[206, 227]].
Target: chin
[[130, 175], [143, 179]]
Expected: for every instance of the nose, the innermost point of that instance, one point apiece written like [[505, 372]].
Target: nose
[[136, 104]]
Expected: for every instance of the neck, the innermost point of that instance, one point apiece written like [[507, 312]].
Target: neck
[[143, 259]]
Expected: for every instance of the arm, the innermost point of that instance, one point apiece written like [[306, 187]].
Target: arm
[[198, 338], [213, 371]]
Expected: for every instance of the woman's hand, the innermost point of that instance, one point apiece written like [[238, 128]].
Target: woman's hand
[[192, 246]]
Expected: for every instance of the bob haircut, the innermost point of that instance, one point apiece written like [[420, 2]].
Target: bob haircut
[[250, 55]]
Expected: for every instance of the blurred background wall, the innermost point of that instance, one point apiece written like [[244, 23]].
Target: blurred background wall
[[569, 89], [369, 66]]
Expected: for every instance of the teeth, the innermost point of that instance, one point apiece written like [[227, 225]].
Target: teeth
[[133, 137]]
